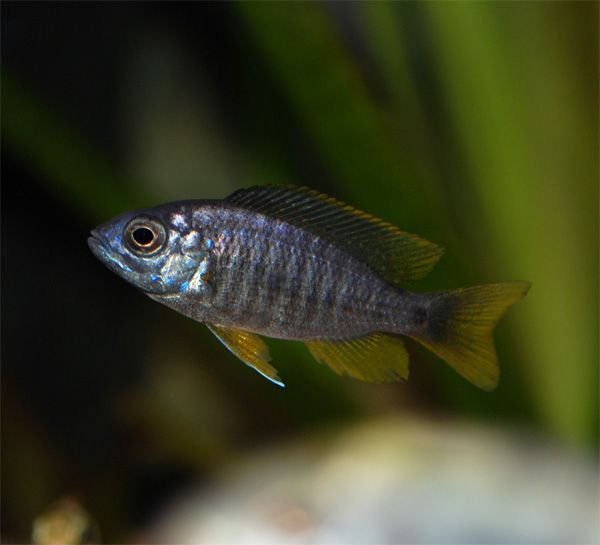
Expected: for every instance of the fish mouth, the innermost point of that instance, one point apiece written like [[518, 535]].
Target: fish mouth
[[102, 251], [96, 244], [107, 255]]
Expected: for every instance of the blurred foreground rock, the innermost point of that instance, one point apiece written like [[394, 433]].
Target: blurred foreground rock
[[396, 481], [65, 522]]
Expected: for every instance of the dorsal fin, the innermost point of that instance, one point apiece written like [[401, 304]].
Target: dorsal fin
[[378, 357], [398, 257]]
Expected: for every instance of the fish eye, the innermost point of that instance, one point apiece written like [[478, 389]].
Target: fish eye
[[144, 235]]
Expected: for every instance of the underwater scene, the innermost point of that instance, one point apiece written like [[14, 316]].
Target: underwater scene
[[299, 272]]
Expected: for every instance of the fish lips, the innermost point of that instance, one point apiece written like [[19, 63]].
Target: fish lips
[[97, 246], [105, 254]]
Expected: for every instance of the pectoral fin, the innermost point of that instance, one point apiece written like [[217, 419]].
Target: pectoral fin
[[375, 358], [250, 348]]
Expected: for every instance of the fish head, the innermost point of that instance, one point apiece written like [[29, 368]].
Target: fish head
[[156, 249]]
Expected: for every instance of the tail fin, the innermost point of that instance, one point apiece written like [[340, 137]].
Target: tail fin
[[460, 326]]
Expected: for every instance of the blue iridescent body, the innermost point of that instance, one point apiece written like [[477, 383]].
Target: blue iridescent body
[[294, 264]]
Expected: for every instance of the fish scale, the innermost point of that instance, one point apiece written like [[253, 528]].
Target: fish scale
[[295, 264], [246, 267], [274, 250], [302, 265]]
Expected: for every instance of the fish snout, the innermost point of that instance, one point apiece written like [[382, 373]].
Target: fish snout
[[95, 239]]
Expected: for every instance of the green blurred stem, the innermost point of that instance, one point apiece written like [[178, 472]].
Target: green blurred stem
[[330, 100], [500, 92]]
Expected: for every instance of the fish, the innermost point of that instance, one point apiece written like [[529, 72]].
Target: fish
[[292, 263]]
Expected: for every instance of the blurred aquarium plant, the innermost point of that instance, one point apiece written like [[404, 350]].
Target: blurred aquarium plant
[[473, 124]]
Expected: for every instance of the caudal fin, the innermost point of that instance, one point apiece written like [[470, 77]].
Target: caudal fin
[[460, 325]]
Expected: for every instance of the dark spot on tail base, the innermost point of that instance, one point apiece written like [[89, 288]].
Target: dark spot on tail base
[[439, 312]]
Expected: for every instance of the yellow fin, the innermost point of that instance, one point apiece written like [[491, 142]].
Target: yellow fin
[[460, 329], [378, 357], [250, 348], [398, 257]]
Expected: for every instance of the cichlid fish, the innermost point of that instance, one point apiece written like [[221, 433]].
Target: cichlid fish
[[292, 263]]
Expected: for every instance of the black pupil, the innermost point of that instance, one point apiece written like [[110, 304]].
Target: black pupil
[[143, 236]]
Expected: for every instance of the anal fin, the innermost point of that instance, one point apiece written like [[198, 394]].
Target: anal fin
[[250, 348], [378, 357]]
